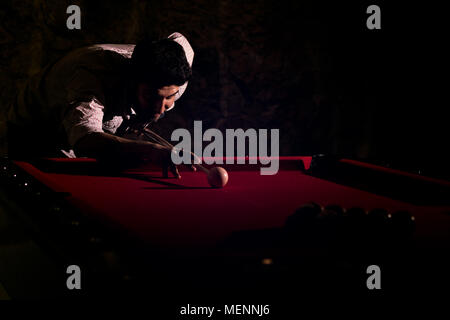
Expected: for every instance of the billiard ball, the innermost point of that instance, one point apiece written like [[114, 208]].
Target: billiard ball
[[304, 217], [356, 217], [378, 218], [356, 224], [403, 223], [331, 218], [217, 177], [331, 214]]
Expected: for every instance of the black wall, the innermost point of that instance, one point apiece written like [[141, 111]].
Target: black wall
[[310, 68]]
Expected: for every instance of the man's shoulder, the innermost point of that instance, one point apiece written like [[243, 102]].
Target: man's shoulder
[[97, 55], [125, 50]]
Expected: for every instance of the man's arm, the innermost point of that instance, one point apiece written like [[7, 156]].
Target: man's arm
[[109, 148]]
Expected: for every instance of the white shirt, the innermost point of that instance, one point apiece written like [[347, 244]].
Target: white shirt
[[84, 92]]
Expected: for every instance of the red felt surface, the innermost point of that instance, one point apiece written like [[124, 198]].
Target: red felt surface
[[188, 211]]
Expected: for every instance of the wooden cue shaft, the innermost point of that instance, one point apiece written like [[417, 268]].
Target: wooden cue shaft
[[157, 138], [164, 142]]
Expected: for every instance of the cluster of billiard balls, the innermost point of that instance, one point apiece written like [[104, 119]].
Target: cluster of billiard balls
[[312, 217]]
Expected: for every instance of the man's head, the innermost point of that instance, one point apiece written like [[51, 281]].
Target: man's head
[[159, 68]]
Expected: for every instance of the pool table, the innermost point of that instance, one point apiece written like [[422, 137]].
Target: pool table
[[318, 223]]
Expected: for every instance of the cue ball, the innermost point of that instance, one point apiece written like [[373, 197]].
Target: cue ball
[[217, 177]]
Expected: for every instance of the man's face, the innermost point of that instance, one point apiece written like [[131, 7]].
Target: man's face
[[152, 103]]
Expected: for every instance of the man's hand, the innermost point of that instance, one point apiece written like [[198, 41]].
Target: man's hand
[[164, 157], [113, 149]]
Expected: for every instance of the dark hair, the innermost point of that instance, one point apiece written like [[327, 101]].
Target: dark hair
[[160, 63]]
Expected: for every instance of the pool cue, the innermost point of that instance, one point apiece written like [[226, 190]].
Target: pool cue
[[157, 138]]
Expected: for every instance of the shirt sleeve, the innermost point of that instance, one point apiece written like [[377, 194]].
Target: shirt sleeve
[[85, 118]]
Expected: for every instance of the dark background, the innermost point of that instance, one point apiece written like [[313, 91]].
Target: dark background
[[310, 68]]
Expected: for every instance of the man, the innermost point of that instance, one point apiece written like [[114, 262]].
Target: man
[[87, 100]]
